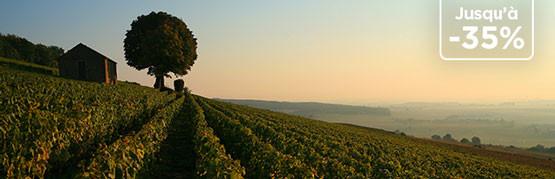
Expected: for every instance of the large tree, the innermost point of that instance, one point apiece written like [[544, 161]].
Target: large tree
[[161, 43]]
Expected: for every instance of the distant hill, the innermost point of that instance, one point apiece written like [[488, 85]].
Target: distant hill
[[309, 109]]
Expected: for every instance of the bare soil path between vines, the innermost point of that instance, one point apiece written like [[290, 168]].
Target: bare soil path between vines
[[177, 156]]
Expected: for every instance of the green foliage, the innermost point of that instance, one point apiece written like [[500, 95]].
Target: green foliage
[[338, 151], [542, 149], [476, 140], [128, 155], [27, 66], [15, 47], [287, 140], [212, 160], [59, 128], [260, 159], [160, 43], [465, 141], [48, 124], [449, 138]]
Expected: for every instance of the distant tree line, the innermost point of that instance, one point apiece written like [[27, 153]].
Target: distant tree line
[[448, 137], [477, 142], [14, 47], [542, 149]]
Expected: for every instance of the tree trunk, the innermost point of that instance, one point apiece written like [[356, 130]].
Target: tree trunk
[[159, 84]]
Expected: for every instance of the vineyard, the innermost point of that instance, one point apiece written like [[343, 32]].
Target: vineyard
[[52, 127]]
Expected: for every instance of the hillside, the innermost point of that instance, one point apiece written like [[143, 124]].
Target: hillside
[[22, 65], [58, 128], [311, 109]]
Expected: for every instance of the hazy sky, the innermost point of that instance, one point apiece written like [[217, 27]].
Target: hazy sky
[[355, 51]]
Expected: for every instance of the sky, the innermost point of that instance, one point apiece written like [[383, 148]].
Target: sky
[[354, 52]]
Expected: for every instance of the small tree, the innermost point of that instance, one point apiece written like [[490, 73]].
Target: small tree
[[465, 141], [537, 148], [476, 140], [178, 85], [162, 44], [436, 137], [449, 137]]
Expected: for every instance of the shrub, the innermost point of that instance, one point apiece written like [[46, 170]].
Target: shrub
[[465, 141], [178, 85], [476, 140]]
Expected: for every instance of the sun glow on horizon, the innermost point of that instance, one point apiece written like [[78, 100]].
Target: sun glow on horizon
[[346, 52]]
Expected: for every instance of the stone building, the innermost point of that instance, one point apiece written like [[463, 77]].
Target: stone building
[[84, 63]]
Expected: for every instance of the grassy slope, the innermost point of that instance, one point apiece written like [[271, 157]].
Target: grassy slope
[[26, 66], [66, 120], [518, 157], [515, 155], [409, 151], [150, 148], [413, 141]]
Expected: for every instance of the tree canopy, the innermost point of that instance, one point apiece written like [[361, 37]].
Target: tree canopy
[[465, 141], [476, 140], [12, 46], [161, 43]]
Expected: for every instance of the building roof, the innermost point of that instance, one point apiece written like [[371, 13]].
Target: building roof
[[84, 47]]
